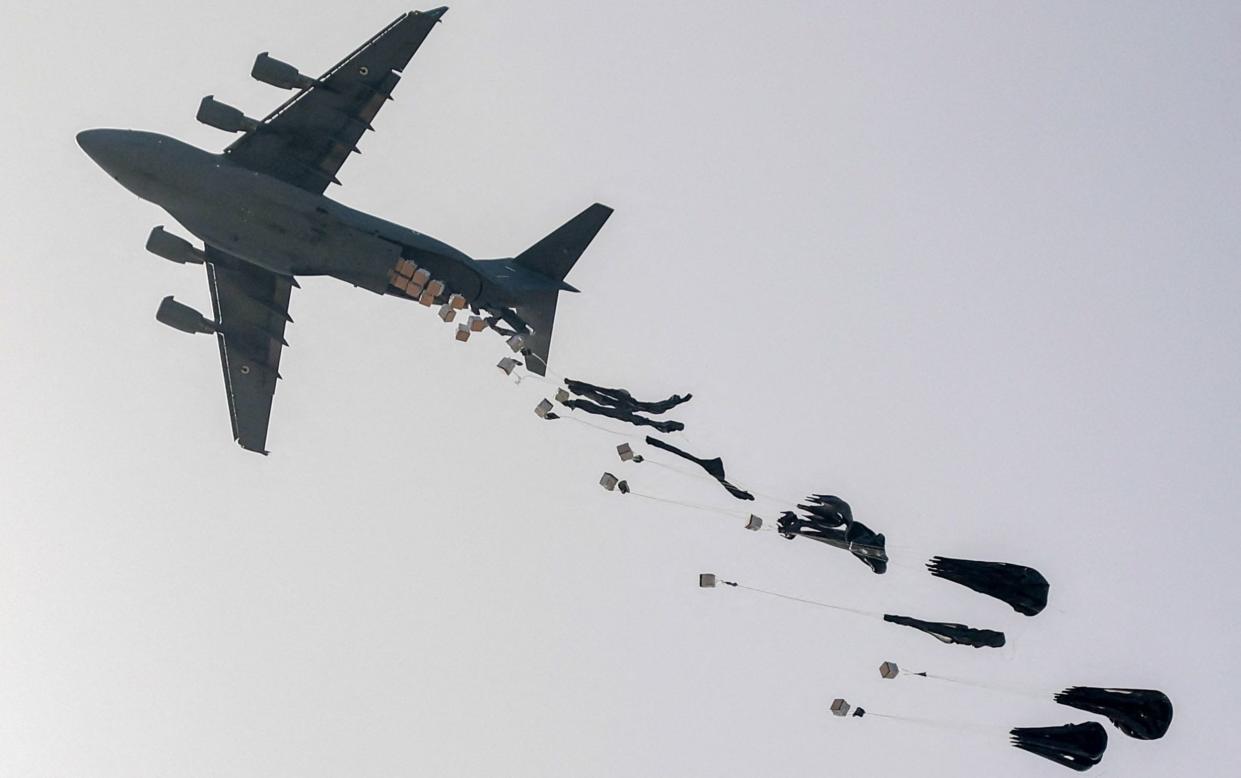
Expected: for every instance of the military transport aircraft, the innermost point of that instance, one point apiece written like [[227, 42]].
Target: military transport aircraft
[[260, 211]]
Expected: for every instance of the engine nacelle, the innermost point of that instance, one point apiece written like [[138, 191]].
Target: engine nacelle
[[279, 74], [182, 317], [164, 244], [213, 113]]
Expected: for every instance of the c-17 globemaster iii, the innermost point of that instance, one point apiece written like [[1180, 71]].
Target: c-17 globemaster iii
[[260, 211]]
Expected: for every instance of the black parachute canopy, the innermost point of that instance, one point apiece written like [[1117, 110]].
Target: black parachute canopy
[[948, 632], [1144, 714], [830, 511], [632, 418], [714, 467], [1024, 588], [1076, 746], [858, 539], [622, 399]]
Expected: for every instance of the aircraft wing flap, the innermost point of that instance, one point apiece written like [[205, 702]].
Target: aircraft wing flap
[[306, 141], [251, 308]]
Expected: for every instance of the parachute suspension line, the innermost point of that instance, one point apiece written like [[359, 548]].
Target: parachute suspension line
[[816, 603], [1016, 690], [990, 686], [958, 726]]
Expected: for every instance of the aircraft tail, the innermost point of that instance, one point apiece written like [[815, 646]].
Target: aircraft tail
[[553, 257]]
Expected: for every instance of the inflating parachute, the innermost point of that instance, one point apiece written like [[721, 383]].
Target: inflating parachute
[[856, 538], [1076, 746], [1024, 588], [829, 510], [1144, 714]]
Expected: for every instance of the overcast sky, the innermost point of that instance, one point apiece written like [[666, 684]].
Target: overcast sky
[[972, 266]]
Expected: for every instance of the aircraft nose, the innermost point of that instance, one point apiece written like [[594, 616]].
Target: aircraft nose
[[103, 146], [90, 141]]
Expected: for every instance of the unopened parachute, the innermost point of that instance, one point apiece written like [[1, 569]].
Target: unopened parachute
[[714, 467], [621, 399], [947, 632]]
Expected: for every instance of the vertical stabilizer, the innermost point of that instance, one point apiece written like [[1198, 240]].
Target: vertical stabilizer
[[553, 257]]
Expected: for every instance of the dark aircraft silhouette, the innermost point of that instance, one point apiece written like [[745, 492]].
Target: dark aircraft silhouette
[[260, 211]]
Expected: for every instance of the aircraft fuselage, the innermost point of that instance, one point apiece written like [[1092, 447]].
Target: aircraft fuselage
[[269, 223]]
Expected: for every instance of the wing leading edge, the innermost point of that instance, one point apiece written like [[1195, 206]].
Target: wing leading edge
[[306, 140], [251, 307]]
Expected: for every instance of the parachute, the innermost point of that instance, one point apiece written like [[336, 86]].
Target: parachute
[[714, 467], [1024, 588], [829, 510], [858, 539], [947, 632], [621, 399], [1144, 714], [1076, 746], [622, 415]]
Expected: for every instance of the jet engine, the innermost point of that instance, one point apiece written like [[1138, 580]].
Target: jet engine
[[182, 317], [164, 244], [213, 113], [279, 74]]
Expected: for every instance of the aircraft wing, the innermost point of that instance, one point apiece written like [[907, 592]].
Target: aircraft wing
[[305, 141], [251, 307]]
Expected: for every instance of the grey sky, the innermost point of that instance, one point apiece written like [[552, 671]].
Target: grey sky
[[972, 267]]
